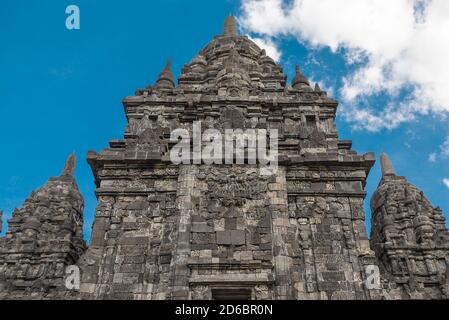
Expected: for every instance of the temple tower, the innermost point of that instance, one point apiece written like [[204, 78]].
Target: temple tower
[[410, 238], [201, 231], [44, 237]]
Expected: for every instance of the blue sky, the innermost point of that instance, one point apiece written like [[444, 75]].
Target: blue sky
[[61, 90]]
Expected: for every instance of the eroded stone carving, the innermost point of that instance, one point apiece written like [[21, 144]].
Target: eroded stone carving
[[44, 237], [409, 237]]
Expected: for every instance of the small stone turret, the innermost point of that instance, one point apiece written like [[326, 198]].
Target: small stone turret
[[386, 166], [69, 168], [46, 236], [300, 81], [166, 79], [409, 237]]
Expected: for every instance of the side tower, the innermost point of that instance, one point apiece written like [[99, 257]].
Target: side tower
[[44, 237], [410, 238], [198, 231]]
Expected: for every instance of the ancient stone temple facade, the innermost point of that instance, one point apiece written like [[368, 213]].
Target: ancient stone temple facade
[[217, 231], [165, 231]]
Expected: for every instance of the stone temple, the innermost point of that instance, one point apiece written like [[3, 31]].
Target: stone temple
[[197, 231]]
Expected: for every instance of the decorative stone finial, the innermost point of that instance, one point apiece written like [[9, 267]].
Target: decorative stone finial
[[299, 80], [69, 168], [386, 165], [167, 67], [166, 79], [1, 221], [230, 27], [166, 73], [317, 87]]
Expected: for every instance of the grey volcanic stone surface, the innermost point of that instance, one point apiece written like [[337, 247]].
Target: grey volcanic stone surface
[[165, 231], [410, 239], [44, 237]]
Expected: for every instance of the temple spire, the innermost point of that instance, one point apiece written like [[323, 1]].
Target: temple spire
[[299, 80], [386, 165], [69, 168], [167, 67], [166, 79], [230, 27]]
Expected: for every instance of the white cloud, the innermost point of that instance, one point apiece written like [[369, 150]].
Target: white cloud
[[446, 182], [444, 148], [399, 46], [442, 153], [269, 46]]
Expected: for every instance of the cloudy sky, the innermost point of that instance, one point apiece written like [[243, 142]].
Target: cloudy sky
[[387, 62]]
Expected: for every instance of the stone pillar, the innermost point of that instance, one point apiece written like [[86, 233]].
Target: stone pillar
[[179, 265], [281, 228]]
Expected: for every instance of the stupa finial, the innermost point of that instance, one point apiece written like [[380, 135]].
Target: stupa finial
[[69, 168], [386, 165], [166, 79], [299, 80], [230, 27]]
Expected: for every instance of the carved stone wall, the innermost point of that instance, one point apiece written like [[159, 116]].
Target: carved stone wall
[[230, 229], [330, 244], [133, 236]]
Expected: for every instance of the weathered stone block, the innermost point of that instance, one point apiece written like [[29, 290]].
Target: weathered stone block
[[224, 238], [348, 186], [238, 237], [202, 227]]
